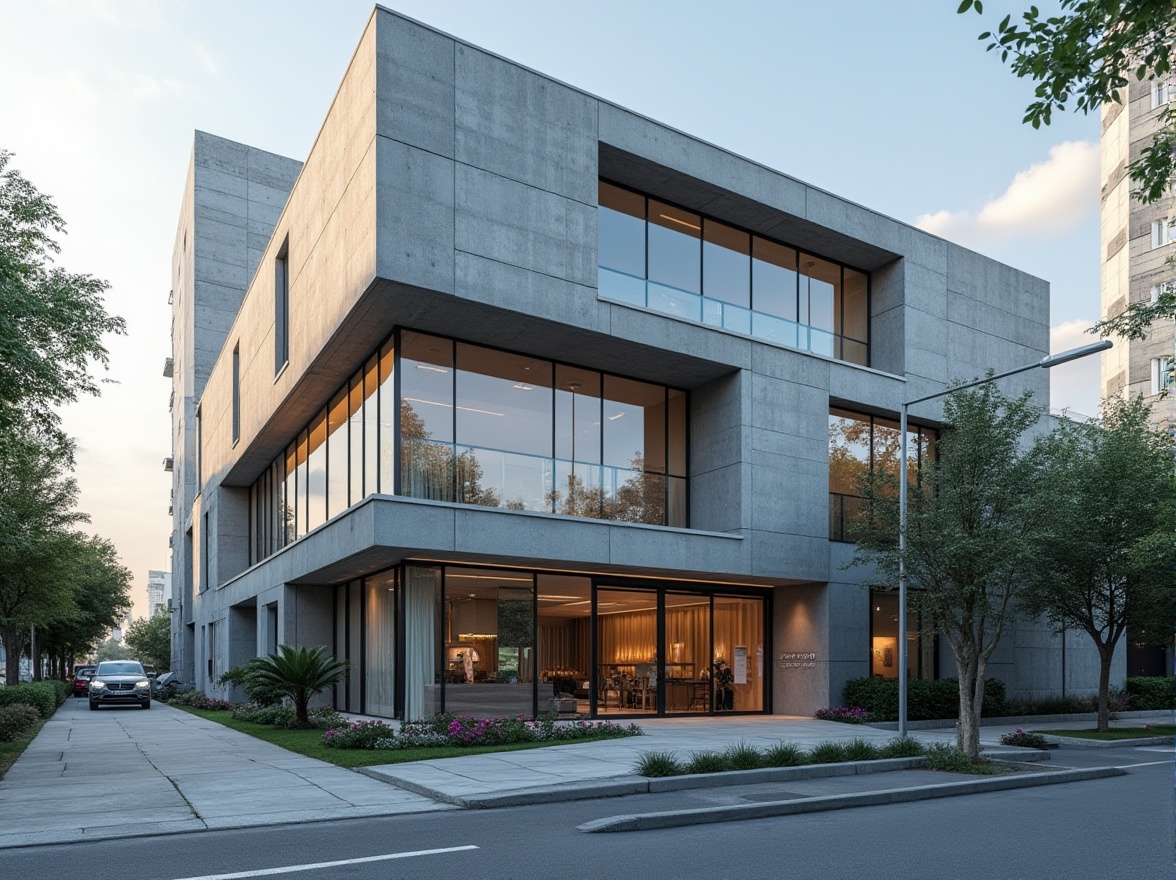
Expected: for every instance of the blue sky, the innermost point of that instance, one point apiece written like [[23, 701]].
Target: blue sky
[[893, 105]]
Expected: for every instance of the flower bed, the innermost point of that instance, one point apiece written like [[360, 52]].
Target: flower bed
[[1024, 739], [844, 714], [466, 730]]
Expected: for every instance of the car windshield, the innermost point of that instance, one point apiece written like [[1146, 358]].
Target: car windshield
[[113, 668]]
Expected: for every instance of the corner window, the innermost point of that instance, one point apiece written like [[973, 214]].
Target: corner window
[[661, 257]]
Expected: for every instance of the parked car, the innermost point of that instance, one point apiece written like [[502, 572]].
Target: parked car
[[118, 682], [167, 684], [149, 669], [81, 679]]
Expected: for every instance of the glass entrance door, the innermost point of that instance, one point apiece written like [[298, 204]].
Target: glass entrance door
[[627, 658], [688, 649]]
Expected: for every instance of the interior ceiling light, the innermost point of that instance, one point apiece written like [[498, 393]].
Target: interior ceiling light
[[614, 418], [522, 387], [431, 368], [488, 577], [484, 412], [676, 220]]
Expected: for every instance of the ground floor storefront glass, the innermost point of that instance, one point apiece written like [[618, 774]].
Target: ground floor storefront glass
[[428, 638]]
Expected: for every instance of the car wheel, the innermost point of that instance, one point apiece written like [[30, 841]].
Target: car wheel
[[93, 706], [146, 704]]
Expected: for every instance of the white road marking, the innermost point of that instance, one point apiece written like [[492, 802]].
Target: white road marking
[[290, 869], [1147, 764]]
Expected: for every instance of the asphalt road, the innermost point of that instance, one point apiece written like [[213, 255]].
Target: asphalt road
[[1111, 828]]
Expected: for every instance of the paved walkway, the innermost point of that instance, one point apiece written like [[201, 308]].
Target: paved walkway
[[122, 772]]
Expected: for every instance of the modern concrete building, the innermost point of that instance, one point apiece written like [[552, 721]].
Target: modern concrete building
[[1137, 253], [510, 391], [158, 592]]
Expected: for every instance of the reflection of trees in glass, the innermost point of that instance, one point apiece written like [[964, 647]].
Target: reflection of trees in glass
[[640, 498], [430, 467]]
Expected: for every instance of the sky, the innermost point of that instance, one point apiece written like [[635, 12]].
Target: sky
[[895, 106]]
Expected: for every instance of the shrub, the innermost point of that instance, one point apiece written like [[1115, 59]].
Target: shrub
[[953, 759], [827, 753], [64, 690], [861, 750], [1021, 738], [856, 715], [707, 762], [926, 699], [41, 695], [902, 747], [15, 719], [275, 716], [467, 730], [657, 764], [297, 673], [1151, 692], [783, 754], [743, 756]]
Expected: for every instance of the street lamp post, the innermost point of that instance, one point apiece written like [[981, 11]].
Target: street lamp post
[[1046, 362]]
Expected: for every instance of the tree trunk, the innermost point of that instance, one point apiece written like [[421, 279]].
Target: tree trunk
[[971, 697], [1105, 655], [13, 639]]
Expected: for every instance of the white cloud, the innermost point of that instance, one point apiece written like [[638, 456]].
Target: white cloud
[[149, 88], [1075, 386], [1049, 197]]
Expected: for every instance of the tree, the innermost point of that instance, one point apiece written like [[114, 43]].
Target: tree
[[1106, 551], [51, 321], [970, 521], [112, 650], [1089, 54], [36, 547], [149, 639], [298, 673]]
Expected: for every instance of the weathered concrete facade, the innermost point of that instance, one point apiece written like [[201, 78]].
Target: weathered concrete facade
[[454, 192]]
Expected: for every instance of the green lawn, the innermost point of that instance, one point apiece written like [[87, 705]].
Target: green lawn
[[310, 743], [1116, 733], [10, 751]]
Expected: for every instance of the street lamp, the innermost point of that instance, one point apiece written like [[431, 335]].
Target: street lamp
[[1051, 360]]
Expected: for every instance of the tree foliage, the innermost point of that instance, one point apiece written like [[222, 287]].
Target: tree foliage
[[1107, 546], [1089, 54], [52, 322], [149, 639], [971, 515]]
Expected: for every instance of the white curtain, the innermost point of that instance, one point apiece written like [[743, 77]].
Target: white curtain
[[380, 648], [420, 635]]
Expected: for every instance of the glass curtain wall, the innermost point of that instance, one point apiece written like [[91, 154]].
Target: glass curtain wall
[[379, 654], [478, 425], [662, 257], [422, 643], [860, 445], [626, 651]]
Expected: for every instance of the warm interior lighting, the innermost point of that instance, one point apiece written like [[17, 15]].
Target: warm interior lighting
[[490, 577], [680, 222]]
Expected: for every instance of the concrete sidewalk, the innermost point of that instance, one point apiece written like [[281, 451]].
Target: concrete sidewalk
[[123, 772]]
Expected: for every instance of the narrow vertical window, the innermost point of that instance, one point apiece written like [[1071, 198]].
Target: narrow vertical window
[[236, 394], [282, 308], [204, 579], [199, 453]]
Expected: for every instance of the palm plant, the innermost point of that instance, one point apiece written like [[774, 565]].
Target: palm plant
[[297, 673]]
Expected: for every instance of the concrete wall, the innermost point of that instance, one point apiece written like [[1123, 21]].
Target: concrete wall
[[454, 191]]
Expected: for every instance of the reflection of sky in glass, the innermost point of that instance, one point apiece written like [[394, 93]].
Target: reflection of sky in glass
[[503, 414]]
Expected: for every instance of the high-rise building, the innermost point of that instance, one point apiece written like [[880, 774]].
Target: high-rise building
[[158, 591], [509, 391], [1136, 242]]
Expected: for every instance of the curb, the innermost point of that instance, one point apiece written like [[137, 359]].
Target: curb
[[1082, 742], [619, 786], [709, 815], [1006, 720]]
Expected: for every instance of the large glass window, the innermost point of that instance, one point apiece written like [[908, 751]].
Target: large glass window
[[659, 256], [481, 426], [860, 444], [921, 648]]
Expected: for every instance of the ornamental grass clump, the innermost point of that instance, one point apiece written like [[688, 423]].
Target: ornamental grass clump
[[952, 759], [902, 747], [827, 753], [784, 754], [743, 756], [861, 750], [658, 764], [707, 762]]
